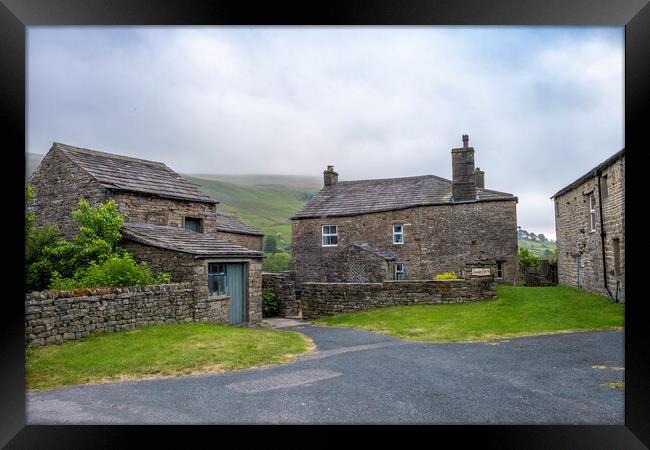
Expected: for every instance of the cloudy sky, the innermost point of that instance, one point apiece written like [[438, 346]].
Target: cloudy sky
[[541, 105]]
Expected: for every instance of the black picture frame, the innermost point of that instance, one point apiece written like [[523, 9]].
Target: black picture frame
[[16, 15]]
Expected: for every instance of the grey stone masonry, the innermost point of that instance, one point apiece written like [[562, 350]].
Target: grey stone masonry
[[283, 285], [52, 317], [578, 237], [320, 299]]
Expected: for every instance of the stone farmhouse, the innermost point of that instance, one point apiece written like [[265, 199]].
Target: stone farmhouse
[[406, 228], [169, 223], [590, 229]]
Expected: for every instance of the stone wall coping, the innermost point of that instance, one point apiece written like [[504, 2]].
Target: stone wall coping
[[98, 292], [455, 280]]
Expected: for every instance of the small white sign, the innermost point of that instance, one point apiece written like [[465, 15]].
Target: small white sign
[[481, 272]]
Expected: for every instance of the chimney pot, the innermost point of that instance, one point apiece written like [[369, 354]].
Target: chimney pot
[[465, 140]]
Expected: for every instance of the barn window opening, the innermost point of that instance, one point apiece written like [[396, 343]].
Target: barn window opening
[[398, 234], [194, 224], [399, 271], [330, 235], [592, 212], [499, 269], [217, 279]]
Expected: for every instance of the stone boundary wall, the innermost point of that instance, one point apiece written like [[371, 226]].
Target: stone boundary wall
[[283, 285], [52, 317], [320, 299]]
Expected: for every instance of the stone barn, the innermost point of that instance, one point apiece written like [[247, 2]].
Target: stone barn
[[169, 223], [408, 228], [590, 230]]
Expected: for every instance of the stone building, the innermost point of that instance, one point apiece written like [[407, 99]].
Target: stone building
[[169, 223], [590, 229], [406, 228]]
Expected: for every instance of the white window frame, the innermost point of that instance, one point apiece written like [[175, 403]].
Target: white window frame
[[401, 233], [592, 213], [397, 265], [324, 235]]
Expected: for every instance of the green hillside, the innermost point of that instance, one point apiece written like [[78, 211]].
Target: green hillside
[[265, 202], [539, 249]]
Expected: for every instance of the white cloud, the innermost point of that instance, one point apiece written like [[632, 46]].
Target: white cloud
[[541, 106]]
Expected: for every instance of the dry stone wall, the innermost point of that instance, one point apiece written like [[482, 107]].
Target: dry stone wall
[[320, 299], [283, 285], [52, 317]]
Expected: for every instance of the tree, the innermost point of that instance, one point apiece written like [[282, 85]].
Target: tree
[[541, 238], [532, 236], [270, 244], [37, 239], [526, 260]]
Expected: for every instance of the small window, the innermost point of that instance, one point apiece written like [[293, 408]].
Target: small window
[[399, 271], [330, 235], [557, 209], [592, 212], [499, 269], [216, 279], [617, 256], [193, 224], [398, 234]]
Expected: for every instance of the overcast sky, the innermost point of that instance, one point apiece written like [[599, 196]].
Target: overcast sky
[[541, 105]]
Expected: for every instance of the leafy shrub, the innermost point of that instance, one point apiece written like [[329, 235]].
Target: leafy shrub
[[526, 260], [277, 262], [119, 270], [270, 303], [446, 276], [91, 259]]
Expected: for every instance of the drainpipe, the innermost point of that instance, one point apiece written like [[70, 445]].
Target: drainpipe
[[602, 238]]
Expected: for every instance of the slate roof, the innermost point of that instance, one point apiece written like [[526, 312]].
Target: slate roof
[[350, 198], [592, 173], [123, 173], [181, 240], [388, 255], [230, 223]]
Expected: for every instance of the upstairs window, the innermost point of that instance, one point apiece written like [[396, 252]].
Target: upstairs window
[[592, 212], [194, 224], [330, 235], [216, 279], [399, 271], [398, 234], [604, 189]]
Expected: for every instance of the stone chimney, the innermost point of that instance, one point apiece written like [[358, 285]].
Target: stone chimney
[[330, 177], [463, 175], [480, 178]]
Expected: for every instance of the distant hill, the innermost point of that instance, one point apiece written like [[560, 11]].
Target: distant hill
[[265, 202], [537, 244]]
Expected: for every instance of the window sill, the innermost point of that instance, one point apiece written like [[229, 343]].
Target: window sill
[[329, 245], [217, 297]]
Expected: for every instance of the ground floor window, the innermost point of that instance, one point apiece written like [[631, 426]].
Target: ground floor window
[[399, 271], [216, 279], [499, 269], [617, 256]]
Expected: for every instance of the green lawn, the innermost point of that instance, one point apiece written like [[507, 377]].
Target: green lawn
[[518, 311], [160, 350]]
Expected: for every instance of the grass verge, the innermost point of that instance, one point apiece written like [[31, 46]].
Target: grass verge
[[518, 311], [159, 351]]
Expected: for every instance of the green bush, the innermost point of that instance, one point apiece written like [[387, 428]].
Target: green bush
[[119, 270], [270, 303], [446, 276], [526, 260], [91, 259], [277, 262]]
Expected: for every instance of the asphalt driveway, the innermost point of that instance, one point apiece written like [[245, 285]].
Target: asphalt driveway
[[358, 377]]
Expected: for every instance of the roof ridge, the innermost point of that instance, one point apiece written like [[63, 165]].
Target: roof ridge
[[393, 178], [606, 163], [89, 151]]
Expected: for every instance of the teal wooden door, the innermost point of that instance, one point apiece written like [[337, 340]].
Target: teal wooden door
[[237, 292]]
